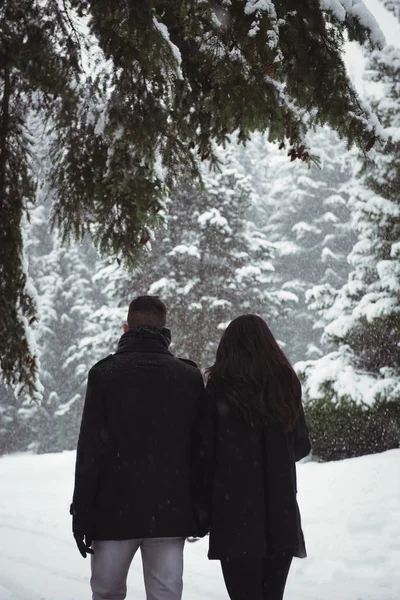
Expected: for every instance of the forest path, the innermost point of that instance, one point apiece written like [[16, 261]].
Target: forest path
[[351, 518]]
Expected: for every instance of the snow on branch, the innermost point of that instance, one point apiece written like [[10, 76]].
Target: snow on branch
[[336, 370], [356, 9], [174, 49], [257, 8]]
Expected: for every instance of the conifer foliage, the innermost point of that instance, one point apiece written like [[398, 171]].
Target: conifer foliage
[[65, 333], [181, 76], [37, 62], [160, 82], [67, 341]]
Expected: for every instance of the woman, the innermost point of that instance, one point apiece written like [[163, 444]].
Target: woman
[[251, 433]]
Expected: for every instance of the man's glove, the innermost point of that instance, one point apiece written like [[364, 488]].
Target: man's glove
[[84, 544]]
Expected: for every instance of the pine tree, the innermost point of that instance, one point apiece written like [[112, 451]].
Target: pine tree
[[308, 220], [37, 62], [65, 332], [67, 341], [364, 316], [212, 264]]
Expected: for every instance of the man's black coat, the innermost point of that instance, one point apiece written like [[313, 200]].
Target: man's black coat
[[248, 483], [132, 477]]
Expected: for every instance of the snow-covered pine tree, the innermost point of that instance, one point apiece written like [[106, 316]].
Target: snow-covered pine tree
[[353, 392], [69, 341], [213, 264], [66, 332], [308, 220]]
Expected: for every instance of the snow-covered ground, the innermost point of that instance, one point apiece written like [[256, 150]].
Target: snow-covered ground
[[351, 517]]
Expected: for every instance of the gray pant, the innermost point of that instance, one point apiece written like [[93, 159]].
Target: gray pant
[[162, 568]]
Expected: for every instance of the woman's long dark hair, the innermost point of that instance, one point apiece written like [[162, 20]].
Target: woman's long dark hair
[[254, 375]]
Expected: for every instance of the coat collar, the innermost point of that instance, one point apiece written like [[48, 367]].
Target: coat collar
[[145, 339]]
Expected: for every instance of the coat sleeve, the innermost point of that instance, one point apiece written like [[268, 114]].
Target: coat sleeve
[[91, 452], [301, 438], [203, 461]]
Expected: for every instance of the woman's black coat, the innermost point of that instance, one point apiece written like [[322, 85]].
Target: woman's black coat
[[248, 481]]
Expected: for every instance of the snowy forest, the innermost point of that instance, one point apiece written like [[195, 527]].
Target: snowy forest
[[313, 246]]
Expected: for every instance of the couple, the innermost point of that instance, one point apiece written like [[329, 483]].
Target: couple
[[161, 459]]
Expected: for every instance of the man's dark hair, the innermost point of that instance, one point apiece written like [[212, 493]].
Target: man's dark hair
[[147, 310]]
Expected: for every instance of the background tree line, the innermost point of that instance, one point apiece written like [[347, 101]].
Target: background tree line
[[261, 234], [128, 96]]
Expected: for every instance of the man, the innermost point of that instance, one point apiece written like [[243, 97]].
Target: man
[[132, 479]]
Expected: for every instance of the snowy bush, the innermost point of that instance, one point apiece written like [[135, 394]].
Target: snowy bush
[[346, 429]]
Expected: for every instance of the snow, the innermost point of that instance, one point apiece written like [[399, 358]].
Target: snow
[[286, 248], [327, 254], [185, 249], [166, 285], [336, 372], [253, 6], [395, 250], [214, 217], [351, 520], [287, 296], [252, 271], [257, 7], [302, 228], [335, 7], [389, 275], [372, 306], [31, 292], [174, 49], [358, 10]]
